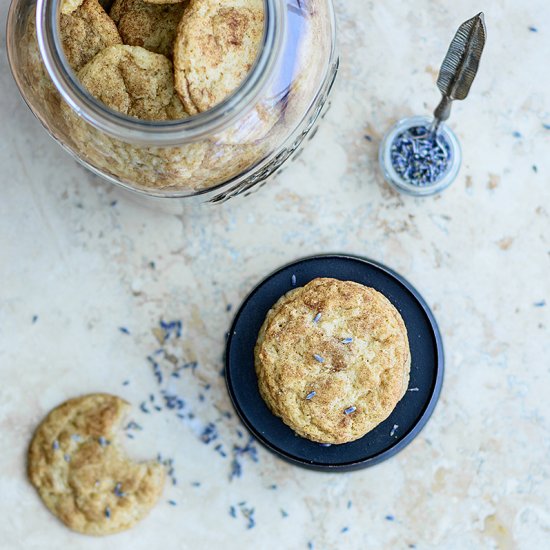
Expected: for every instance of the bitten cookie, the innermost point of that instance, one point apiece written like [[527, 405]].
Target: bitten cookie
[[151, 26], [133, 81], [83, 475], [216, 45], [332, 360], [85, 31]]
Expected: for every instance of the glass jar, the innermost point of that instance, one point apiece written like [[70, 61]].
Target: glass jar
[[226, 151], [400, 184]]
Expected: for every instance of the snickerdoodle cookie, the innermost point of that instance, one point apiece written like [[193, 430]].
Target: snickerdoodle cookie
[[82, 474], [333, 360], [133, 81], [216, 45], [85, 31], [151, 26]]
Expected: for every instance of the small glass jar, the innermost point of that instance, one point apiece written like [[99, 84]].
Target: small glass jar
[[226, 151], [404, 186]]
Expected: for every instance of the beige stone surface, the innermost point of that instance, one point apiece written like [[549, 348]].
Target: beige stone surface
[[77, 253]]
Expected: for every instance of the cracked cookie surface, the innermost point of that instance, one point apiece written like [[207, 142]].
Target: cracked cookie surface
[[216, 45], [151, 26], [82, 474], [332, 360], [133, 81], [85, 32]]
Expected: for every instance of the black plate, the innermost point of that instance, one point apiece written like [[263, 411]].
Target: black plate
[[411, 413]]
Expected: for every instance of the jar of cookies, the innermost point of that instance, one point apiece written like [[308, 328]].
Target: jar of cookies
[[176, 98]]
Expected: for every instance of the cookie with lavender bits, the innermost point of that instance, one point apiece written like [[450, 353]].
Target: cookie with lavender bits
[[332, 360], [83, 475]]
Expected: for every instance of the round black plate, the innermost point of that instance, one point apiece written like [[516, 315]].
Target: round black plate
[[411, 413]]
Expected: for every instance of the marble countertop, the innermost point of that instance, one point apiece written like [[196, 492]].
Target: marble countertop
[[88, 271]]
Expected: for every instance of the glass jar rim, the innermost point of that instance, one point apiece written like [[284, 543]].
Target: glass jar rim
[[157, 133]]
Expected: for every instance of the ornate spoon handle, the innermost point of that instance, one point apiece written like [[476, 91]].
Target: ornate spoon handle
[[460, 66]]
